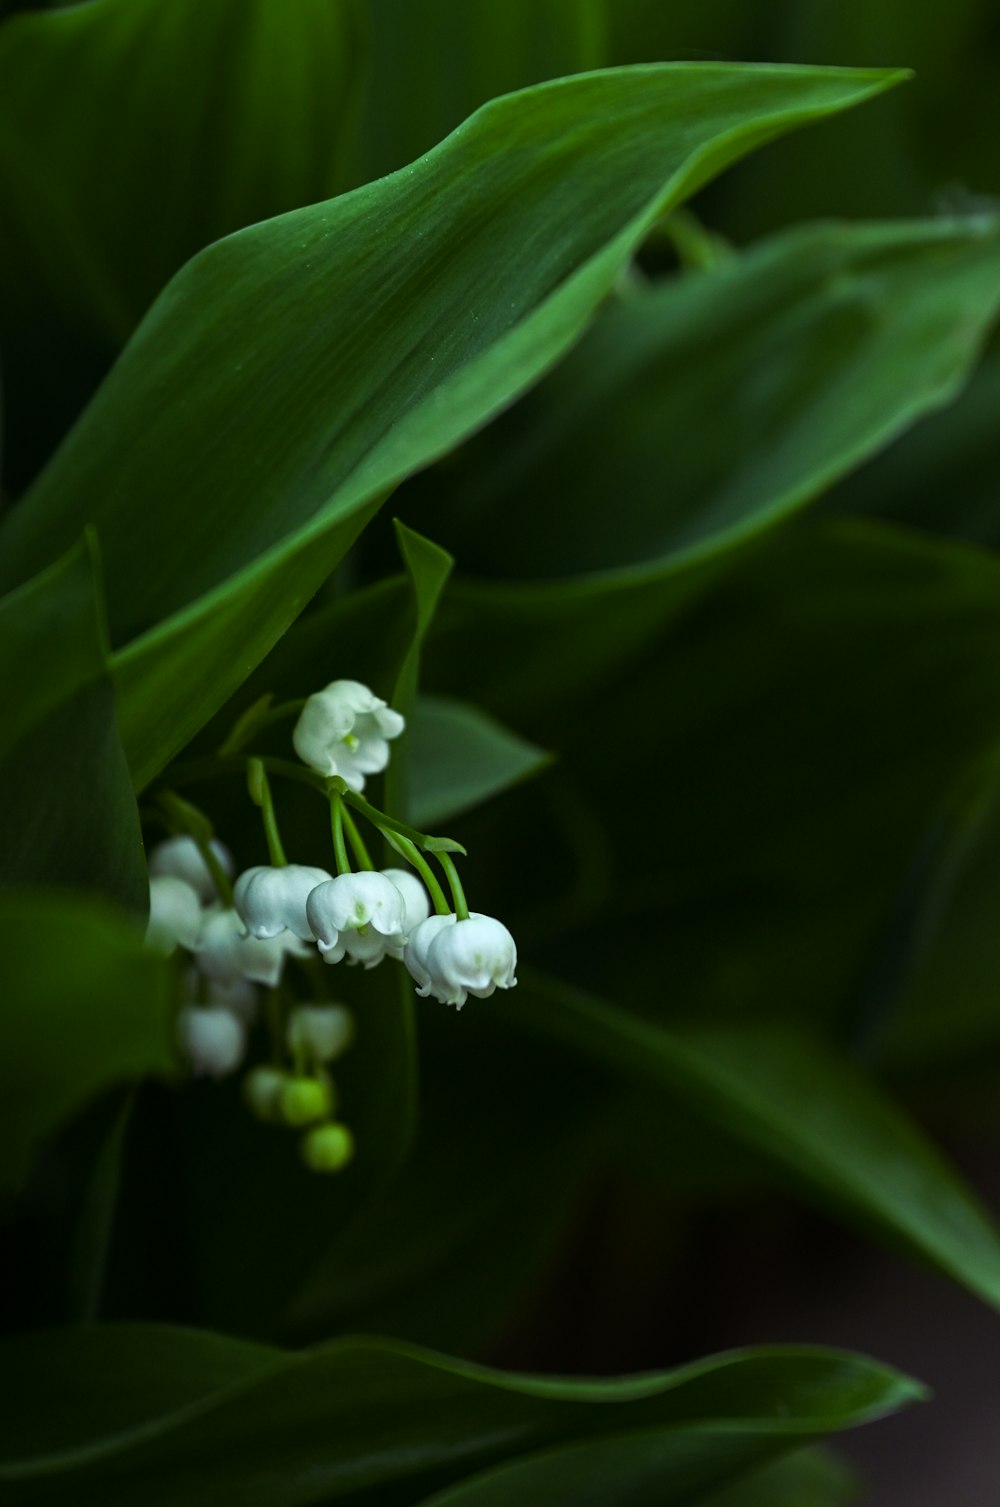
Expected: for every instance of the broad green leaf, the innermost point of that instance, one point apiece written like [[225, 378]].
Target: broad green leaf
[[172, 1412], [70, 815], [811, 1478], [775, 345], [428, 568], [432, 62], [246, 511], [133, 134], [460, 757], [649, 1469], [790, 743], [85, 1007], [943, 476], [814, 1116]]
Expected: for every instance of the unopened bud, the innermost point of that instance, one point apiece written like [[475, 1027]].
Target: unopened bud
[[304, 1100], [328, 1148], [262, 1089]]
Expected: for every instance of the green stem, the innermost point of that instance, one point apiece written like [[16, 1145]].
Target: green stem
[[356, 841], [220, 878], [181, 816], [414, 857], [337, 827], [260, 793], [455, 884]]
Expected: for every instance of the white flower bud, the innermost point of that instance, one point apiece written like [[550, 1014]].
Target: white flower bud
[[174, 915], [322, 1031], [357, 915], [225, 953], [345, 730], [270, 901], [212, 1038], [180, 858], [456, 958], [416, 902]]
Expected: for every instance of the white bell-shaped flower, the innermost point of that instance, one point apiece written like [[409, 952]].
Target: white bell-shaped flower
[[345, 730], [270, 901], [180, 858], [225, 952], [416, 902], [174, 915], [212, 1038], [357, 915], [322, 1031], [417, 948], [459, 958]]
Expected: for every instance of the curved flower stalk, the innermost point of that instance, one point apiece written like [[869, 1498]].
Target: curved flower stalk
[[345, 730], [181, 858]]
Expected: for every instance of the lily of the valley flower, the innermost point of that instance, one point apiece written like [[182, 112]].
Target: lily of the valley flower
[[224, 952], [345, 730], [324, 1032], [270, 901], [416, 904], [212, 1038], [180, 858], [451, 959], [174, 915], [359, 916]]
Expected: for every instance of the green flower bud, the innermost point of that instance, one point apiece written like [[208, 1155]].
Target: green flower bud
[[262, 1090], [304, 1100], [328, 1148]]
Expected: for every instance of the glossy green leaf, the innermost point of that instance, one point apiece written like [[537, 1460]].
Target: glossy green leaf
[[178, 1412], [85, 1007], [287, 437], [809, 1479], [649, 1469], [70, 815], [460, 757], [778, 346], [810, 1113], [133, 134], [428, 568]]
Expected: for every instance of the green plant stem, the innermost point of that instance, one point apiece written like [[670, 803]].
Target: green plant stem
[[260, 794], [180, 815], [455, 885], [356, 841], [337, 827], [416, 859]]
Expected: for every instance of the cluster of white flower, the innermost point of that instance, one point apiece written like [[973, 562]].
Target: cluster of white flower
[[240, 935]]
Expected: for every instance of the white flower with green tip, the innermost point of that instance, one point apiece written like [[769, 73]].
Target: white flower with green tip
[[345, 730]]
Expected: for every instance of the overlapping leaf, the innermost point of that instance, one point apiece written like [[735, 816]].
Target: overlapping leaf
[[85, 1007], [70, 815], [169, 1411], [814, 1117], [263, 410]]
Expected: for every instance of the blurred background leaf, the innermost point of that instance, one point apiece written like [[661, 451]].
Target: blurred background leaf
[[359, 1418], [70, 815]]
